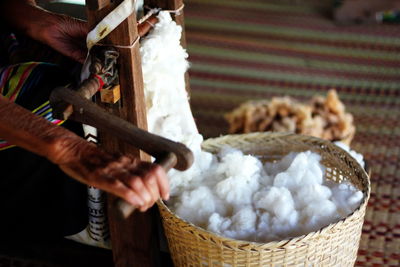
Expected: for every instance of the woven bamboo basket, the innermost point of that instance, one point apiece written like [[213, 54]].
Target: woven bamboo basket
[[333, 245]]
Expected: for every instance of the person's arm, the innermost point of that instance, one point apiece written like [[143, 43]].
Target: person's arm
[[139, 183], [64, 34]]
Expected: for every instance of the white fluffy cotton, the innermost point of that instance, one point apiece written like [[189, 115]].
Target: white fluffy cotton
[[294, 201], [233, 194]]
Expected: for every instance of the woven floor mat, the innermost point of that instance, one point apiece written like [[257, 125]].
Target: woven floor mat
[[255, 49]]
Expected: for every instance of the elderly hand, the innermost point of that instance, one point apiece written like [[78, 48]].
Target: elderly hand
[[67, 35], [139, 183], [64, 34]]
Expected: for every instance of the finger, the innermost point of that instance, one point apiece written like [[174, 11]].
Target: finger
[[141, 168], [145, 168], [79, 56], [119, 189], [150, 181], [136, 184], [162, 181]]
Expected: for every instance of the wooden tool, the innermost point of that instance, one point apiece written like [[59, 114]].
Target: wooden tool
[[89, 113], [134, 240], [168, 154]]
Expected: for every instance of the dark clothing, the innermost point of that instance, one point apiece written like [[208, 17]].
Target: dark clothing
[[37, 200]]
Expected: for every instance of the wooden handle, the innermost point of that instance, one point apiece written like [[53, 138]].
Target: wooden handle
[[89, 113], [62, 110], [123, 208], [145, 26]]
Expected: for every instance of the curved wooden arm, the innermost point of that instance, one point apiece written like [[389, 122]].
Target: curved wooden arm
[[89, 113]]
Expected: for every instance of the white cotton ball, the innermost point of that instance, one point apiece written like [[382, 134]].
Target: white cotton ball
[[318, 215], [314, 173], [277, 201], [314, 170], [292, 176], [285, 226], [285, 179], [347, 198], [243, 224], [244, 220], [309, 194], [264, 179], [266, 228], [236, 190], [322, 208], [234, 163], [355, 199], [196, 206], [218, 224], [263, 225], [277, 166], [241, 174], [228, 150]]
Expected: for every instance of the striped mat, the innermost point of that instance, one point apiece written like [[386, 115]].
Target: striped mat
[[257, 49]]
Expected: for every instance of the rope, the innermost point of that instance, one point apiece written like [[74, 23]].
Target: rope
[[176, 11], [122, 46], [151, 12], [151, 24]]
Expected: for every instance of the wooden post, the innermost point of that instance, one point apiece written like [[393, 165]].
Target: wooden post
[[132, 239]]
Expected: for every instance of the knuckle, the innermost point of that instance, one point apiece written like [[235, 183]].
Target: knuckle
[[112, 182], [146, 196], [136, 183], [159, 171], [151, 180]]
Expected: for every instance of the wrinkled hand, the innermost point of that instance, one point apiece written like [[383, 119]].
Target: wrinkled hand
[[139, 183], [67, 35]]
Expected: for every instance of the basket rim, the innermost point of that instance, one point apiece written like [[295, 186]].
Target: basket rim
[[360, 211]]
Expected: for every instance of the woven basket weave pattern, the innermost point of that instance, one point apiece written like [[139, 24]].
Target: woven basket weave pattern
[[333, 245]]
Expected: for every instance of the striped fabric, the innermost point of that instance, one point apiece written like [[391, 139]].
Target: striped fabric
[[17, 80], [257, 49], [14, 80]]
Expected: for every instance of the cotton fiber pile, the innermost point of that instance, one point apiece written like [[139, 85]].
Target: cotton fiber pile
[[168, 112], [241, 198], [232, 194]]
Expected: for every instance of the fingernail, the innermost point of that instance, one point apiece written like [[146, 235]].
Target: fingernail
[[143, 209], [146, 196], [166, 197], [139, 201]]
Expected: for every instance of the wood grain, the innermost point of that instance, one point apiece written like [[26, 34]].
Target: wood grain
[[132, 239]]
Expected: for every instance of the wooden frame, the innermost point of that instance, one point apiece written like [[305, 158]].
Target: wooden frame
[[135, 240]]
